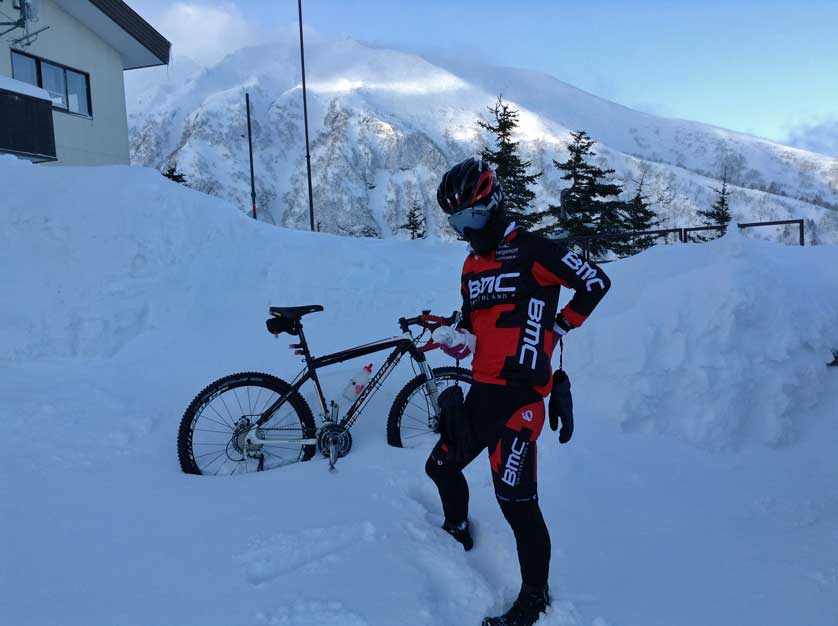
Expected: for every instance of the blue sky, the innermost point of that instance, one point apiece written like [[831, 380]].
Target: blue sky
[[764, 67]]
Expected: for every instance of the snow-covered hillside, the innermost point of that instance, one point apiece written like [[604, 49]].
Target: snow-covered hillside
[[385, 125], [698, 488]]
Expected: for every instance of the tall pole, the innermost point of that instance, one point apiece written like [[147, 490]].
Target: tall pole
[[250, 144], [305, 116]]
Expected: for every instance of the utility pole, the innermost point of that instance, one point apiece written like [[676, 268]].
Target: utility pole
[[250, 145], [305, 117]]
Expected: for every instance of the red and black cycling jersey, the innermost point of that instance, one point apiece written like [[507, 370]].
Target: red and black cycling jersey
[[510, 302]]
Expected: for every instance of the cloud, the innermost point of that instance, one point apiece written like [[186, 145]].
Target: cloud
[[207, 31], [820, 136]]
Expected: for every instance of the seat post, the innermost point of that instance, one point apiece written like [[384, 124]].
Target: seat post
[[304, 344], [312, 371]]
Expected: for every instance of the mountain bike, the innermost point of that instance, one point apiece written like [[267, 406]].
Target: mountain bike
[[252, 422]]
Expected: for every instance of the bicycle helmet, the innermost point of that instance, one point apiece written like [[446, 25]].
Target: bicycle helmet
[[472, 196]]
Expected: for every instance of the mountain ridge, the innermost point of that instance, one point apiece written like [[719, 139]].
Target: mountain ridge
[[383, 117]]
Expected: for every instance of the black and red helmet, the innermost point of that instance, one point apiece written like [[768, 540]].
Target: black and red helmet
[[467, 184]]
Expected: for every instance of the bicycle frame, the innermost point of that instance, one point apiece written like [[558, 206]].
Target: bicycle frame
[[406, 344]]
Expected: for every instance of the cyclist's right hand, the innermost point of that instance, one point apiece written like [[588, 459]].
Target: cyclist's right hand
[[457, 343]]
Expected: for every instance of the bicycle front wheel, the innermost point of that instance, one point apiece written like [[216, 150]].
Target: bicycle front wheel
[[213, 434], [414, 418]]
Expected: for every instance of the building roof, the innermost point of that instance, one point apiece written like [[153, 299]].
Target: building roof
[[118, 24]]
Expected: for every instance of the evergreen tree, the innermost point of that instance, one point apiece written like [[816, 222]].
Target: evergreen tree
[[509, 166], [719, 214], [172, 174], [640, 218], [591, 204], [415, 221]]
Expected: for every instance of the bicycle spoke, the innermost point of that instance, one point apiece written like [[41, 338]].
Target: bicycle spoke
[[205, 430], [429, 432], [226, 423], [222, 458], [285, 419], [216, 452], [268, 402], [236, 396], [256, 402], [233, 420]]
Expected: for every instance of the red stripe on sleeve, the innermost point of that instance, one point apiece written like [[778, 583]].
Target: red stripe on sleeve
[[573, 317]]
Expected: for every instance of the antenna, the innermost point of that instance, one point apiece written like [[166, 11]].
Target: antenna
[[30, 11]]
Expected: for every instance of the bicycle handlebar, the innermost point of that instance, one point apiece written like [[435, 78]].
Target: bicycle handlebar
[[428, 321]]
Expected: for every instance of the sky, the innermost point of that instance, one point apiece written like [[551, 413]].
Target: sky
[[765, 67]]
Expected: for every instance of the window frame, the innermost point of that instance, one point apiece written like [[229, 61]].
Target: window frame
[[64, 68]]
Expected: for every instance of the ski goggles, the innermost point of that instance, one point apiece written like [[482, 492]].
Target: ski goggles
[[474, 217]]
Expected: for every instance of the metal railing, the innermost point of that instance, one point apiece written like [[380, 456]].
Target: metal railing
[[584, 241], [800, 223]]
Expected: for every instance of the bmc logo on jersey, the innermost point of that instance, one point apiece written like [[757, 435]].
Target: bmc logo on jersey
[[492, 284], [583, 270], [532, 333]]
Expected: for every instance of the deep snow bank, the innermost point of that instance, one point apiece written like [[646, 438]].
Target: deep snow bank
[[715, 343], [123, 294]]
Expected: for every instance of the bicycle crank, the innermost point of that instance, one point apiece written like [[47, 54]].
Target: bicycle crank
[[334, 442]]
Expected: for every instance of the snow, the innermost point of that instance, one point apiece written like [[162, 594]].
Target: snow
[[17, 86], [698, 488]]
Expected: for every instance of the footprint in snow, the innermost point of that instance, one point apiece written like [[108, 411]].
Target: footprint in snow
[[310, 613], [289, 552]]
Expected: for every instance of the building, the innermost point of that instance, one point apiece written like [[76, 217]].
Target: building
[[62, 93]]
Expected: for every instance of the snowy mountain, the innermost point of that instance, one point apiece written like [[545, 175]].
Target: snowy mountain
[[386, 124], [699, 487], [819, 137]]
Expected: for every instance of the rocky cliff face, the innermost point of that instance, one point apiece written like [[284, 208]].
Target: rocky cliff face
[[385, 125]]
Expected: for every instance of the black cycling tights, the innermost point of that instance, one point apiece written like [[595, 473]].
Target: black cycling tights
[[531, 536], [506, 422]]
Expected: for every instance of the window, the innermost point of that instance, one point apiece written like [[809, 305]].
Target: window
[[24, 69], [77, 93], [68, 89], [52, 79]]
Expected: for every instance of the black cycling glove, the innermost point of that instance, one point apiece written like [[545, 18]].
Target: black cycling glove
[[561, 406]]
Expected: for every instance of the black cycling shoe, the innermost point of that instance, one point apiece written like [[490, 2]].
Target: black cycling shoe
[[527, 608], [460, 532]]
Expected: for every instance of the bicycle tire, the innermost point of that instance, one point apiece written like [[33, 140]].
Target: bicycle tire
[[395, 419], [186, 443]]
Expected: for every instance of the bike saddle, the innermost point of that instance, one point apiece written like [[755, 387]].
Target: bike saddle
[[295, 312]]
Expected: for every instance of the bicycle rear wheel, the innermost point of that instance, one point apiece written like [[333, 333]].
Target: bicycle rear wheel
[[211, 437], [413, 420]]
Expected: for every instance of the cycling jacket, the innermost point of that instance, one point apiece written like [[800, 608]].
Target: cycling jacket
[[510, 302]]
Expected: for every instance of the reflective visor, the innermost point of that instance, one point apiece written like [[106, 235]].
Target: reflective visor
[[474, 217]]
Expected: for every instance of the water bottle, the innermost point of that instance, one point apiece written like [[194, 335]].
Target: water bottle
[[357, 383]]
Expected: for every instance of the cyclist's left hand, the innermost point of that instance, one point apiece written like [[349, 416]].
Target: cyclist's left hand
[[455, 342]]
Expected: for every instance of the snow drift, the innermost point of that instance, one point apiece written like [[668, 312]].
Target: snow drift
[[123, 294]]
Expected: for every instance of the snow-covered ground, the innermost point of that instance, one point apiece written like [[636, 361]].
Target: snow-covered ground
[[699, 488]]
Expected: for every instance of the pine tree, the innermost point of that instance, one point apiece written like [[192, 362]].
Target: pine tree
[[591, 204], [640, 218], [172, 174], [415, 221], [510, 168], [719, 214]]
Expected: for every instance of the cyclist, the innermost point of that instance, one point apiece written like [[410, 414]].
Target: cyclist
[[511, 323]]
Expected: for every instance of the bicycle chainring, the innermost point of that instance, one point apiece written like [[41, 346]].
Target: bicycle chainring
[[334, 435]]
